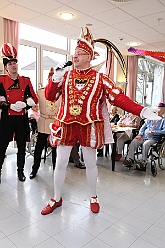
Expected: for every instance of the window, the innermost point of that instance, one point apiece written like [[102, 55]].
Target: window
[[149, 82], [36, 59], [50, 59], [41, 36], [27, 61]]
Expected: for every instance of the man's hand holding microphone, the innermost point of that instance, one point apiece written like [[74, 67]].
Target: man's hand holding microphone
[[59, 71]]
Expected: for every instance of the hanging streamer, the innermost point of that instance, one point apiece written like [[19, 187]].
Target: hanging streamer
[[156, 55]]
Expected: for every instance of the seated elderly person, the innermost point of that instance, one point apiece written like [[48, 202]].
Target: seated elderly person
[[128, 120], [148, 134], [114, 117]]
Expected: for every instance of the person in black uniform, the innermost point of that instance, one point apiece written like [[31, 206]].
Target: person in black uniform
[[16, 97]]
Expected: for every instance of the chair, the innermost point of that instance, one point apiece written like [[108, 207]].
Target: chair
[[135, 133], [127, 143]]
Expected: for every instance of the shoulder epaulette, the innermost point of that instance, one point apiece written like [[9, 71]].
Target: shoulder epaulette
[[3, 75], [25, 77]]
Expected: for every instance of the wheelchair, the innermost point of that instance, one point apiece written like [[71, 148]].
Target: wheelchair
[[157, 152]]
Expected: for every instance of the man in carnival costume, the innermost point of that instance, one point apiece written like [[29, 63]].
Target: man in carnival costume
[[16, 96], [81, 116]]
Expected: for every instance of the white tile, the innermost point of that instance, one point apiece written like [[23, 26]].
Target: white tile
[[13, 224], [128, 227], [50, 243], [160, 222], [2, 235], [132, 208], [6, 243], [6, 211], [157, 232], [124, 205], [146, 214], [155, 204], [29, 237], [136, 222], [53, 224], [136, 197], [73, 237], [140, 243], [153, 240], [96, 243], [117, 237], [113, 211], [94, 225]]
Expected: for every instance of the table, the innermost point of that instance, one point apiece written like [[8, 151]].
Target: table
[[116, 130]]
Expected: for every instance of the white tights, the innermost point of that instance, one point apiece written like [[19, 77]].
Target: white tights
[[63, 153]]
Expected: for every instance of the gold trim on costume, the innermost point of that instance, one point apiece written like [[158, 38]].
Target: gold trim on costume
[[75, 110], [51, 106]]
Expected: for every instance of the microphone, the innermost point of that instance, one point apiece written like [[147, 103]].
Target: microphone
[[69, 63]]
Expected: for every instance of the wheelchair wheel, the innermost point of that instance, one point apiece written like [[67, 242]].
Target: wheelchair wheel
[[153, 168], [161, 157], [32, 144]]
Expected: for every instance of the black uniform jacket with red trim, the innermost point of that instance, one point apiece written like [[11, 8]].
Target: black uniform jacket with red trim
[[15, 90]]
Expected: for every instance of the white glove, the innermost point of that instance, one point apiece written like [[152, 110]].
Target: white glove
[[15, 108], [58, 74], [30, 102], [149, 113], [2, 99], [18, 106]]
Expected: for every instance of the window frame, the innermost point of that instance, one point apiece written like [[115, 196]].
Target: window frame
[[39, 59]]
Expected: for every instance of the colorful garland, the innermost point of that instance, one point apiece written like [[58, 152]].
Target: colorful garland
[[156, 55]]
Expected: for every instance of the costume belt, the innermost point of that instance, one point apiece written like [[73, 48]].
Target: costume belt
[[46, 116]]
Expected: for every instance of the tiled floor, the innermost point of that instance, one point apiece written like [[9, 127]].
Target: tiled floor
[[132, 208]]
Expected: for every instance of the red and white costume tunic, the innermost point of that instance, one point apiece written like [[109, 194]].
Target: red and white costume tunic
[[80, 117]]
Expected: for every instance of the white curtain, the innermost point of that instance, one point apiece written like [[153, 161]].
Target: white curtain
[[158, 86], [163, 86]]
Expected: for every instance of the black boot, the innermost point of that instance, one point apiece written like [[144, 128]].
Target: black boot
[[33, 174], [1, 163], [20, 167], [41, 142], [21, 176], [0, 175]]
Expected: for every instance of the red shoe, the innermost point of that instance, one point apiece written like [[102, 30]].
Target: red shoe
[[52, 204], [94, 204], [118, 157]]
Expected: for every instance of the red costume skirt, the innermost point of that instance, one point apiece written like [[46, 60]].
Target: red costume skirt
[[90, 135]]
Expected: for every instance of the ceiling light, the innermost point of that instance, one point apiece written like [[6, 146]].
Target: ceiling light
[[132, 44], [66, 16]]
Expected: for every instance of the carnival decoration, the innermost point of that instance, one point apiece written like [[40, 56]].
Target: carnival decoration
[[8, 53], [112, 49], [86, 42], [156, 55]]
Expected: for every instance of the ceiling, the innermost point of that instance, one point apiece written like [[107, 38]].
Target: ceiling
[[141, 21]]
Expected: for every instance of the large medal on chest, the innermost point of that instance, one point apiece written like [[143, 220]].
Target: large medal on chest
[[75, 110], [77, 95]]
